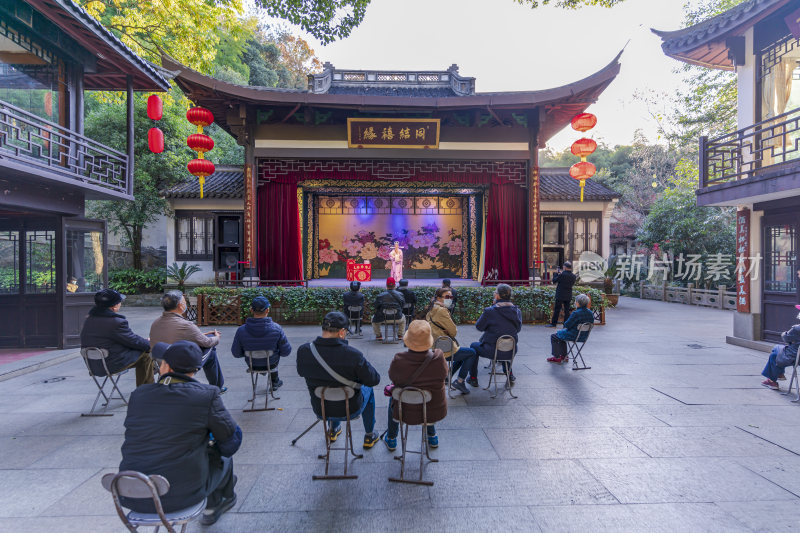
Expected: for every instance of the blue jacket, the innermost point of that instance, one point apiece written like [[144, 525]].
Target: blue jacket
[[788, 353], [261, 334], [502, 318], [579, 316]]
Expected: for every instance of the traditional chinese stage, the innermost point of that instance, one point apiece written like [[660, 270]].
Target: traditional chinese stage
[[341, 282]]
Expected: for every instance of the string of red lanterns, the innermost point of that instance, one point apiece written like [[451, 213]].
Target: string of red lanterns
[[200, 143], [155, 137], [583, 148]]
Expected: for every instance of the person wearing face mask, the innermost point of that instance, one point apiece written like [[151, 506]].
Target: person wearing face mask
[[782, 355], [501, 318], [442, 325]]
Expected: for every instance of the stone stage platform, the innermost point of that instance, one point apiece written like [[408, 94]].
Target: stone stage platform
[[432, 282]]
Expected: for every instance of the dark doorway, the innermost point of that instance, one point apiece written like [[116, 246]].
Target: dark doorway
[[781, 290]]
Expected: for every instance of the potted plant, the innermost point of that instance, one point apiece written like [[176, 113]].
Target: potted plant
[[182, 273], [608, 282]]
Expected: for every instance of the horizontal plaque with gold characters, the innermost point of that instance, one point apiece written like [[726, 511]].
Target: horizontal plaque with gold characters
[[393, 132]]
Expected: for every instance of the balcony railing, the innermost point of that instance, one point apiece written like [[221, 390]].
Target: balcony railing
[[740, 154], [74, 158]]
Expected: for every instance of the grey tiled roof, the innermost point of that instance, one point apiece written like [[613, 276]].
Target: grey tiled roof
[[557, 184], [226, 182], [431, 92]]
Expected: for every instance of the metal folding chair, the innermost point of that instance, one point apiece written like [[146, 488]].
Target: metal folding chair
[[260, 355], [100, 354], [575, 349], [354, 312], [795, 379], [506, 343], [391, 317], [412, 396], [334, 394], [445, 344], [408, 312], [131, 484]]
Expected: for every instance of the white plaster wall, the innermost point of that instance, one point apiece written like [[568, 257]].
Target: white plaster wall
[[152, 237], [746, 85]]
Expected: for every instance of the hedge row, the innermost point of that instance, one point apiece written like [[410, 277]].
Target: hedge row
[[471, 300]]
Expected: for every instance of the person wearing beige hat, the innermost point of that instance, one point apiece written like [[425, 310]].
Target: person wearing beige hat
[[425, 369]]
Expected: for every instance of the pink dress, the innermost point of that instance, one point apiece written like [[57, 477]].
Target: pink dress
[[396, 256]]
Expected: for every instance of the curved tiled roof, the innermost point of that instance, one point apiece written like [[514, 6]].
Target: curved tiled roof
[[226, 182], [557, 184]]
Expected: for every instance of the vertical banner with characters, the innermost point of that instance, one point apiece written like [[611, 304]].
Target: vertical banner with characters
[[743, 260]]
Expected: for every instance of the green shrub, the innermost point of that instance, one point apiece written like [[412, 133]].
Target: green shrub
[[132, 281], [471, 300]]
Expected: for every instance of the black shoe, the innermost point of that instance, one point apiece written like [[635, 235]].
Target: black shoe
[[210, 516], [223, 390], [276, 384], [460, 386], [473, 382]]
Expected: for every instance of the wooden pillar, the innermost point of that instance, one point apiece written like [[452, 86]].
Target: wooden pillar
[[534, 239], [129, 102]]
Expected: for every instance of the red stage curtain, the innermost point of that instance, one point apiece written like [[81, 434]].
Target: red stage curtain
[[279, 248], [506, 238]]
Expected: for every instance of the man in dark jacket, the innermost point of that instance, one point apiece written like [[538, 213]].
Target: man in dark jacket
[[409, 308], [558, 340], [179, 428], [353, 298], [351, 365], [261, 333], [389, 299], [501, 318], [564, 281], [106, 328]]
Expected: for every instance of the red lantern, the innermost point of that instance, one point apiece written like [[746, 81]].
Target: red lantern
[[582, 171], [155, 107], [200, 143], [201, 168], [584, 122], [200, 117], [583, 148], [155, 140]]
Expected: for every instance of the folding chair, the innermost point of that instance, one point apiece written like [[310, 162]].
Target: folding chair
[[260, 355], [575, 350], [506, 343], [412, 396], [391, 317], [131, 484], [100, 354], [335, 394], [408, 312], [354, 314], [445, 344], [795, 379]]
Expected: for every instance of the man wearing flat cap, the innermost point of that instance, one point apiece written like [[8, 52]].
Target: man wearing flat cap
[[179, 428], [260, 333], [349, 365], [106, 328]]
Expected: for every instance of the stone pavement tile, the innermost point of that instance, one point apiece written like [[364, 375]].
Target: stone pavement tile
[[29, 492], [653, 518], [783, 471], [707, 396], [510, 415], [454, 445], [588, 415], [276, 448], [745, 416], [474, 519], [785, 436], [633, 381], [549, 396], [619, 396], [699, 442], [15, 424], [290, 488], [67, 403], [69, 524], [664, 480], [21, 452], [728, 382], [560, 443], [462, 484], [57, 424], [765, 517], [458, 417], [88, 452], [87, 499], [265, 421]]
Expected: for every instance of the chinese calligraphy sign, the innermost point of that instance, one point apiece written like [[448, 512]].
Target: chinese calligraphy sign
[[393, 132], [742, 260]]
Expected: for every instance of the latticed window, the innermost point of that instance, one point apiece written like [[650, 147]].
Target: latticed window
[[586, 236], [779, 260], [194, 235]]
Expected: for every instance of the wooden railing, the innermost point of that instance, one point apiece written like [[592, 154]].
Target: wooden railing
[[720, 298]]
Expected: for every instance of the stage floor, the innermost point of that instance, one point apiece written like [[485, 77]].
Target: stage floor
[[433, 282]]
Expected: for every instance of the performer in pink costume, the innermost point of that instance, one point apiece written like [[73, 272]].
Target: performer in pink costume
[[396, 256]]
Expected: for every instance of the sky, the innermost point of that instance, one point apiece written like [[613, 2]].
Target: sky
[[510, 47]]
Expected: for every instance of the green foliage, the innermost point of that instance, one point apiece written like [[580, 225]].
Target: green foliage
[[133, 281], [327, 20], [181, 273], [471, 300]]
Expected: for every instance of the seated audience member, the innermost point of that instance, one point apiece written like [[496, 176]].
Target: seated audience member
[[353, 298], [350, 366], [389, 299], [442, 325], [558, 340], [446, 285], [106, 328], [171, 327], [179, 428], [260, 333], [782, 355], [409, 297], [501, 318], [424, 369]]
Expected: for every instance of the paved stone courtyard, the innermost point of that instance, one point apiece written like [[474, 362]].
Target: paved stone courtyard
[[668, 431]]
